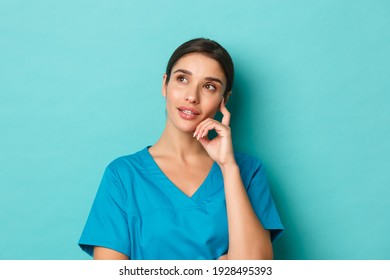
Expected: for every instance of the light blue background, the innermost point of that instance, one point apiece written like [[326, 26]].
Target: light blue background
[[80, 84]]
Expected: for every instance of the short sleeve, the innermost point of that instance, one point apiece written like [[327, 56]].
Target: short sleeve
[[263, 203], [107, 224]]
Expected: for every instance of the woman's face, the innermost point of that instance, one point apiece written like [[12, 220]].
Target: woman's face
[[194, 91]]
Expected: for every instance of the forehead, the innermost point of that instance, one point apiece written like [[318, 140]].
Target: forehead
[[200, 64]]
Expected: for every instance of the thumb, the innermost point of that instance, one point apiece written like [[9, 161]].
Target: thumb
[[204, 141]]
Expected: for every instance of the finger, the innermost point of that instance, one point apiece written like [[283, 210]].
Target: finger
[[200, 126], [204, 141], [205, 128], [225, 113], [220, 129]]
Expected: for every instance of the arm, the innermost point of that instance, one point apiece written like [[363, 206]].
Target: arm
[[247, 237], [107, 224], [102, 253]]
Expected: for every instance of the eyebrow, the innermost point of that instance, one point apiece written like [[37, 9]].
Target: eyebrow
[[211, 79]]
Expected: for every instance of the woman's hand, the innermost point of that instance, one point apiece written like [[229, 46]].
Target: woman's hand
[[220, 149]]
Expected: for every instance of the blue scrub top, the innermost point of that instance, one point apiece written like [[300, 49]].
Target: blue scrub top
[[139, 212]]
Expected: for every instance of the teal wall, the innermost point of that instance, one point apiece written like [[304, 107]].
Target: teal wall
[[80, 85]]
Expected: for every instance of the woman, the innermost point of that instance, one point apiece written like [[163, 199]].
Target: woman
[[187, 196]]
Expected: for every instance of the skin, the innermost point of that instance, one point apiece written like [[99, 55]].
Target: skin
[[197, 83]]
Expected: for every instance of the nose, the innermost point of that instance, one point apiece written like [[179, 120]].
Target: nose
[[191, 99], [192, 96]]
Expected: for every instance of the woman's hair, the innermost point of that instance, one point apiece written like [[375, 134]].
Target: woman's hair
[[210, 49]]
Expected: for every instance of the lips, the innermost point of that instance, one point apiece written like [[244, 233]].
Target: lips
[[188, 113], [188, 110]]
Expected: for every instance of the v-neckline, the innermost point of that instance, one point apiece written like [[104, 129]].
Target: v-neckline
[[197, 196]]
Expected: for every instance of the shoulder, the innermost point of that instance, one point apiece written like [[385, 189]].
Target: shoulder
[[246, 161], [251, 169], [126, 163], [120, 174]]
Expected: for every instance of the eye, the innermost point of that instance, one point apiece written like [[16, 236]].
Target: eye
[[182, 79], [210, 87]]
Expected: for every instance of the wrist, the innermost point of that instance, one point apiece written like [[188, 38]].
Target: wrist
[[229, 167]]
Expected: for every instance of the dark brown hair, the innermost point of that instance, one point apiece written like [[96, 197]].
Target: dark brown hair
[[209, 48]]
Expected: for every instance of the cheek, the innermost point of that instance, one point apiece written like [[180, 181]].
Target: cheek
[[214, 107], [173, 92], [170, 95]]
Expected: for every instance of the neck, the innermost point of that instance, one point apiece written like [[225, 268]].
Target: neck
[[177, 144]]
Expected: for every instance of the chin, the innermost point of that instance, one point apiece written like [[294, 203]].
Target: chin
[[187, 128]]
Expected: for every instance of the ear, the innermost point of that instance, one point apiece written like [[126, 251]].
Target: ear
[[164, 86]]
